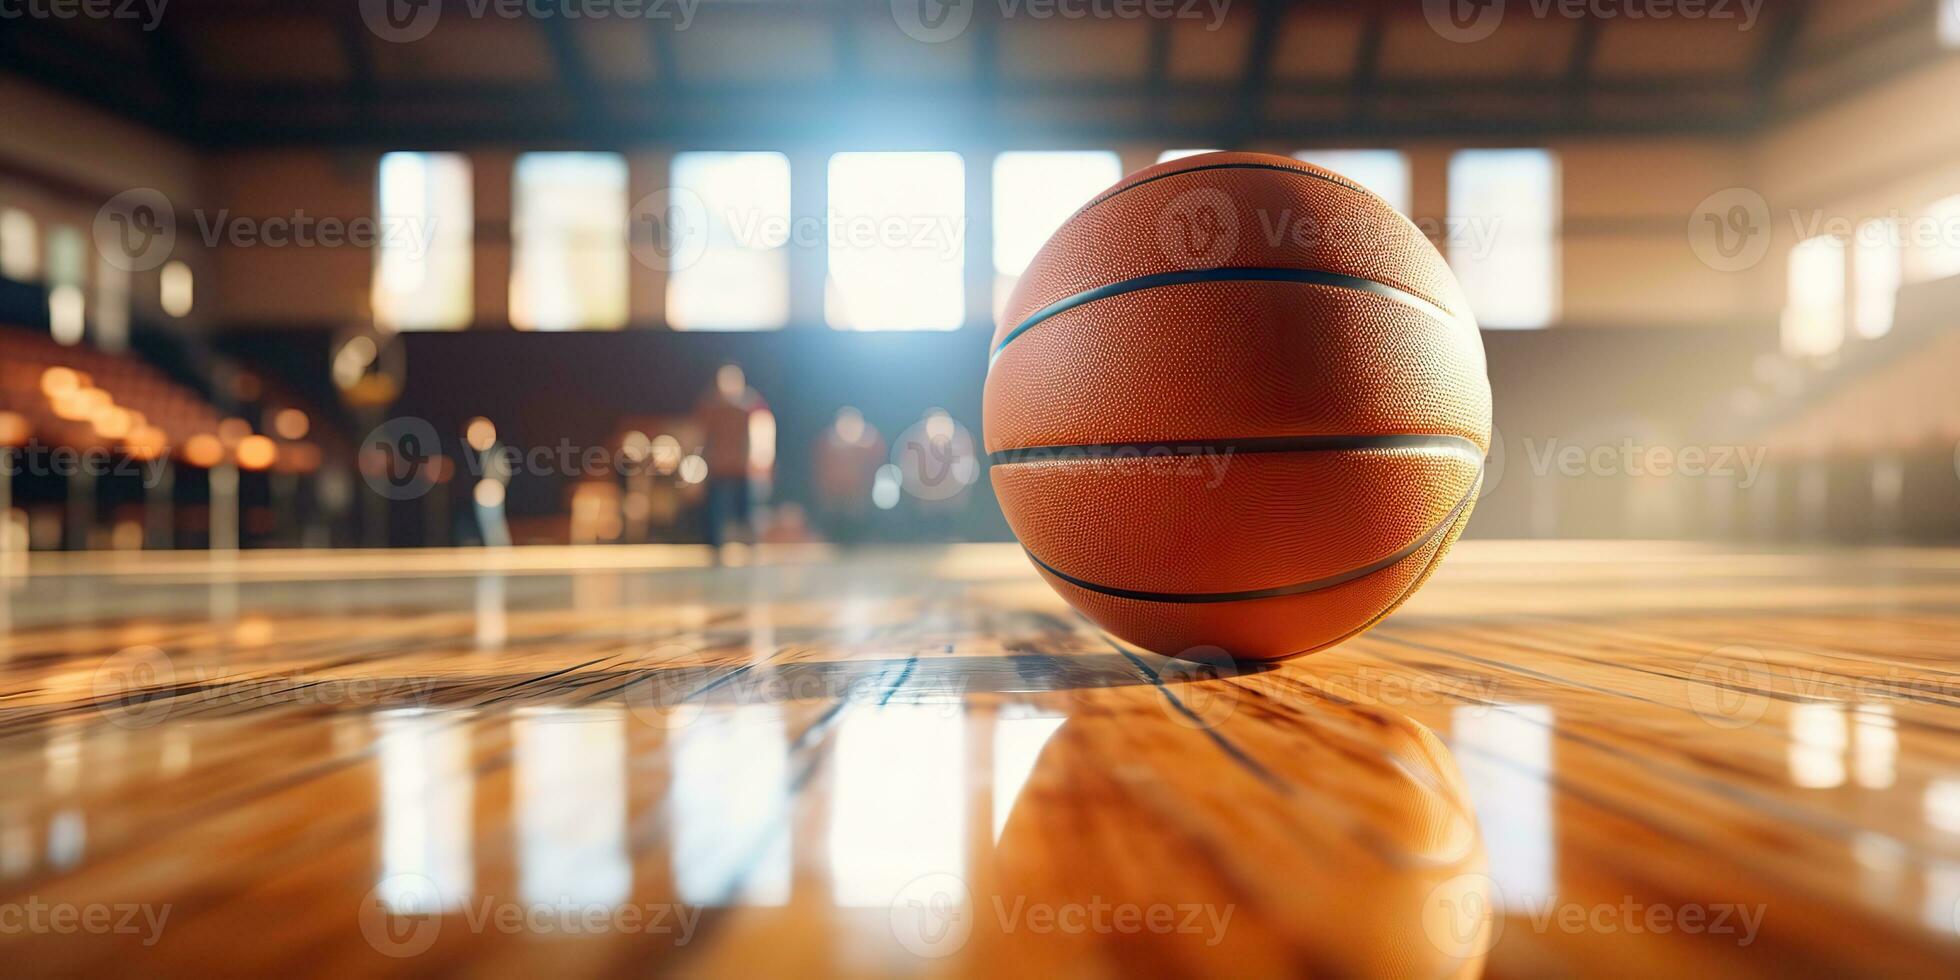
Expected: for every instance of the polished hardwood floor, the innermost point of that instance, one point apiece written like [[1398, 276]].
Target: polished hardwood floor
[[1559, 759]]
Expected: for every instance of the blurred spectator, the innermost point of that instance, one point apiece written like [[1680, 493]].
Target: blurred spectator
[[723, 414], [847, 458]]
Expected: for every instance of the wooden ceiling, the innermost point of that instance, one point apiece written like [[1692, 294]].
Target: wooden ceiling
[[736, 72]]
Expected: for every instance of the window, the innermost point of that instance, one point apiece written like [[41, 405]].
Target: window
[[1875, 277], [20, 251], [1033, 194], [422, 277], [1813, 313], [1169, 155], [67, 274], [1386, 172], [1936, 253], [897, 242], [1950, 24], [111, 303], [740, 280], [174, 288], [1511, 275], [568, 237]]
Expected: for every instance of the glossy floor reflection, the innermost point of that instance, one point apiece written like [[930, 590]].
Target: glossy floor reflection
[[1560, 757]]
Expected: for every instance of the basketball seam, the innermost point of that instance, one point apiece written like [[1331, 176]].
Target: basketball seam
[[1299, 588], [1182, 277], [1253, 445]]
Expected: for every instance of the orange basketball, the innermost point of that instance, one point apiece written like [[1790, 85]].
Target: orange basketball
[[1237, 401]]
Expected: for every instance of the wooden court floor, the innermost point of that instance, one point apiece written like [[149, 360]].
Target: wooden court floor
[[1560, 759]]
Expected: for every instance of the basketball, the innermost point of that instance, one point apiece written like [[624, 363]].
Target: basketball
[[1237, 402]]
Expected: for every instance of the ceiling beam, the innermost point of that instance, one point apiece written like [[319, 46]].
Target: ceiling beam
[[1773, 61], [569, 62], [174, 64], [1579, 64], [1157, 71], [1368, 62], [1253, 87], [353, 36]]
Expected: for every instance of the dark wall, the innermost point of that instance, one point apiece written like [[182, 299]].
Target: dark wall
[[1589, 386]]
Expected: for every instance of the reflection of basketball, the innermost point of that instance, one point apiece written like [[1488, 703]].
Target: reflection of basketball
[[1237, 400]]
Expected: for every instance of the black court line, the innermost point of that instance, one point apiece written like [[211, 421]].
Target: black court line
[[1233, 447], [1311, 277]]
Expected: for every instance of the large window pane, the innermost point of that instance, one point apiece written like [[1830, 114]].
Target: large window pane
[[568, 231], [20, 248], [1935, 250], [1511, 279], [1813, 313], [897, 242], [422, 278], [67, 275], [1386, 172], [740, 279], [1033, 194], [1875, 271]]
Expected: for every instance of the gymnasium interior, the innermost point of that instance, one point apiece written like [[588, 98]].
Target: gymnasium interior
[[502, 486]]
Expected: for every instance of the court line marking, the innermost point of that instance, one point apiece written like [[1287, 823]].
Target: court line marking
[[1230, 748], [1299, 588], [1180, 277]]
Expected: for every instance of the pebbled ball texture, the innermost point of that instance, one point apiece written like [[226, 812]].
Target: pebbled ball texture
[[1237, 401]]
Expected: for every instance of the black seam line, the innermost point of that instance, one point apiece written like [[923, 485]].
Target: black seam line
[[1192, 598], [1233, 447], [1300, 171], [1312, 277]]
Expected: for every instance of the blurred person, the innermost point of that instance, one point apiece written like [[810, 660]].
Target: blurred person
[[847, 458], [938, 461], [723, 415]]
